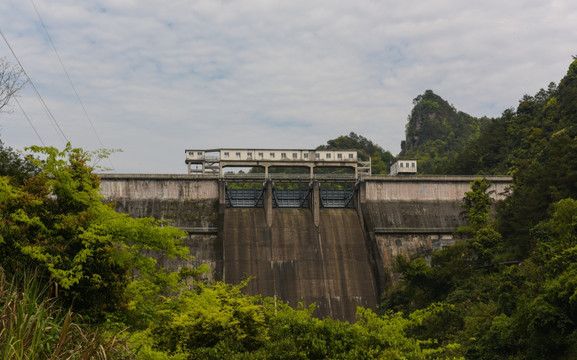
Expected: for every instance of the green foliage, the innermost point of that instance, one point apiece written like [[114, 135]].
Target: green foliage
[[380, 159], [57, 222], [218, 321], [210, 316], [545, 162], [487, 154], [477, 203], [541, 310], [557, 236], [485, 241], [33, 325], [510, 312], [15, 166], [536, 143], [425, 282]]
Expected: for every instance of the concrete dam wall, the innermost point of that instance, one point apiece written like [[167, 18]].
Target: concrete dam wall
[[298, 262], [336, 258], [416, 215], [189, 203]]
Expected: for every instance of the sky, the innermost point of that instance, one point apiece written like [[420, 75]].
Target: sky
[[155, 78]]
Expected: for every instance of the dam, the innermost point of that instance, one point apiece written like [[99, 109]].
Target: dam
[[313, 251]]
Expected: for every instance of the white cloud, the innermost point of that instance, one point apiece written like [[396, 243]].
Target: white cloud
[[159, 77]]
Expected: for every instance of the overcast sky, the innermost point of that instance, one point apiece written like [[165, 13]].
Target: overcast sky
[[159, 77]]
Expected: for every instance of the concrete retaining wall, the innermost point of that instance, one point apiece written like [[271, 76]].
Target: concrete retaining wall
[[425, 188], [415, 215], [145, 186], [183, 201]]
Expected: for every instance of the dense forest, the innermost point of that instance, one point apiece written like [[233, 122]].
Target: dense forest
[[75, 282], [511, 287]]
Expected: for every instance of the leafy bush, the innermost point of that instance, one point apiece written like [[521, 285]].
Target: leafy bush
[[56, 221], [34, 326]]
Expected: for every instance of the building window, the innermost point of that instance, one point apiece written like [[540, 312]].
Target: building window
[[317, 156], [339, 156], [226, 155], [401, 164], [295, 156], [351, 156], [238, 155], [306, 156], [413, 165], [191, 153], [328, 156], [283, 155], [272, 155], [407, 165], [260, 155], [199, 154], [249, 155]]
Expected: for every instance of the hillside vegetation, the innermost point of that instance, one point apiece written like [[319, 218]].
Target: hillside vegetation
[[380, 159], [436, 131], [513, 283]]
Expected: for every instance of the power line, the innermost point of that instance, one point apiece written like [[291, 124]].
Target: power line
[[46, 109], [67, 75], [69, 78], [29, 122]]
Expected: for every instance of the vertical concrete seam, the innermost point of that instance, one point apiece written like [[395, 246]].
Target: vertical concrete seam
[[323, 269]]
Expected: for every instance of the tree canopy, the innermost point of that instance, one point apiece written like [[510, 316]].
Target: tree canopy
[[380, 159], [57, 222], [14, 165]]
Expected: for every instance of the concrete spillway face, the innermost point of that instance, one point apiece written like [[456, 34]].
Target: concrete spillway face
[[329, 265]]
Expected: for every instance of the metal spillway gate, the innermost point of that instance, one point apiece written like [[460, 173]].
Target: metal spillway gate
[[289, 198]]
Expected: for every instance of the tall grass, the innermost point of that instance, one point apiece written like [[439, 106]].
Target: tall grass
[[34, 326]]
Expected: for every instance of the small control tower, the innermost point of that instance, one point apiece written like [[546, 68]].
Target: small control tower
[[404, 167]]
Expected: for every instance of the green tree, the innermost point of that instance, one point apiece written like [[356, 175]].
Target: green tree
[[477, 204], [380, 159], [208, 317], [537, 305], [485, 241], [14, 165], [218, 321], [487, 154], [57, 222]]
